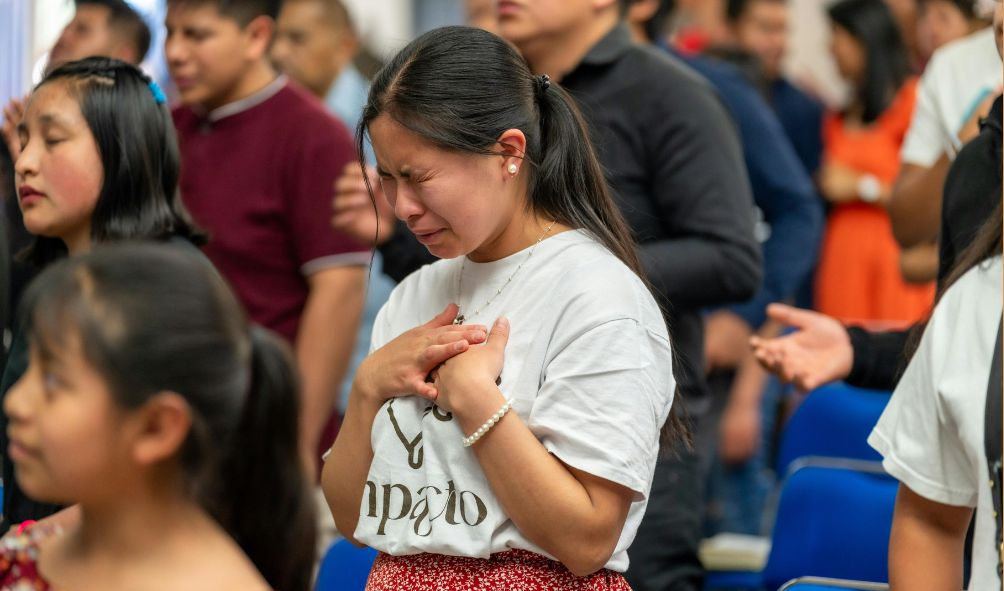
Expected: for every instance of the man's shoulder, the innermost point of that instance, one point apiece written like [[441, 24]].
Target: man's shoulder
[[661, 68], [648, 79]]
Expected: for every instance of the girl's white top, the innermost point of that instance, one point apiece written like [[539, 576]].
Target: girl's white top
[[931, 433], [588, 368]]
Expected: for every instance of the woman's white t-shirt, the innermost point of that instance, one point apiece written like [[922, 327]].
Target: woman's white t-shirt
[[587, 367], [931, 433]]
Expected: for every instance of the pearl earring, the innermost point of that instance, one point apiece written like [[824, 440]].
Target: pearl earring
[[513, 169]]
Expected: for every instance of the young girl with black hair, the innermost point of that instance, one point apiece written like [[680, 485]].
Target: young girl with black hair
[[99, 163], [151, 403], [515, 458]]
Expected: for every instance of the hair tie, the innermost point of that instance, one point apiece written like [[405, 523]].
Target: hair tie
[[158, 94], [543, 83]]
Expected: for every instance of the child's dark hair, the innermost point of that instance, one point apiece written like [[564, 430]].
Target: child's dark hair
[[157, 318], [132, 128], [460, 88], [887, 64], [241, 11]]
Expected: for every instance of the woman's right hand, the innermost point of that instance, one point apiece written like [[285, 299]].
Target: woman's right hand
[[353, 208], [402, 366], [817, 353]]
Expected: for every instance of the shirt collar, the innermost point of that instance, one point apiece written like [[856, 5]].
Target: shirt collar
[[611, 47], [253, 100]]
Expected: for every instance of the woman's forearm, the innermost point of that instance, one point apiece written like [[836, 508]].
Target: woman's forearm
[[343, 477], [926, 544], [574, 516]]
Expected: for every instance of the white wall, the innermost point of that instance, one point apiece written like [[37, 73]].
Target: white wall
[[15, 56], [384, 26]]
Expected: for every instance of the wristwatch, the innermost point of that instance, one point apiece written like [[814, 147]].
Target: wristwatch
[[869, 188]]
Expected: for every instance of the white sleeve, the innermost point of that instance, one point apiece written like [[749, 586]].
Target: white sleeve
[[604, 399], [925, 140], [916, 435]]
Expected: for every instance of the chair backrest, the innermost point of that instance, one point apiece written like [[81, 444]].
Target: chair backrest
[[833, 421], [832, 522], [345, 567], [824, 584]]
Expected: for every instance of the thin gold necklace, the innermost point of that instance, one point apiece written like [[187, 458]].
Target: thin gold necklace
[[460, 318]]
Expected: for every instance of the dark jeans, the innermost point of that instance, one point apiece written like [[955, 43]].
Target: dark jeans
[[664, 553]]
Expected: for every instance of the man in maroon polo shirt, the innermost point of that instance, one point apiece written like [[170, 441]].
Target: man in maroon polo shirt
[[259, 157]]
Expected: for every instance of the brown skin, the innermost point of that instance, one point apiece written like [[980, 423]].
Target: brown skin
[[481, 14], [926, 543], [763, 31], [312, 46], [817, 353]]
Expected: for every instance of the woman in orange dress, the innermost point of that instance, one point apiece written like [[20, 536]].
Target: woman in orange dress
[[859, 278]]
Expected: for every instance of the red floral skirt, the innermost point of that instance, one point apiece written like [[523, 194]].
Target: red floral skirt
[[513, 570]]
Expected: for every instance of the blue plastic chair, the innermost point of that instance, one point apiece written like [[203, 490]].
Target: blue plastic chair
[[821, 584], [832, 521], [345, 567], [833, 421]]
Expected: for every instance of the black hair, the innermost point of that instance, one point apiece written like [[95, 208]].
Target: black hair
[[460, 88], [887, 65], [735, 9], [985, 245], [154, 318], [136, 141], [125, 21], [242, 11]]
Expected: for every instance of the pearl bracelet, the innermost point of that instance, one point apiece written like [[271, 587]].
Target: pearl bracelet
[[495, 418]]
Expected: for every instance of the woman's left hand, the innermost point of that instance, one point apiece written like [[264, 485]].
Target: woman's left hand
[[471, 371], [838, 183]]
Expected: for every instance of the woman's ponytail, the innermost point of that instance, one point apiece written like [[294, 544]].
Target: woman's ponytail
[[263, 499], [568, 182]]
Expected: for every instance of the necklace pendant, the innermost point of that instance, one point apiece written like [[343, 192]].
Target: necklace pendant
[[459, 319]]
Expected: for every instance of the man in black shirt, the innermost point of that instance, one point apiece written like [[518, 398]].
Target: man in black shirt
[[674, 161]]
